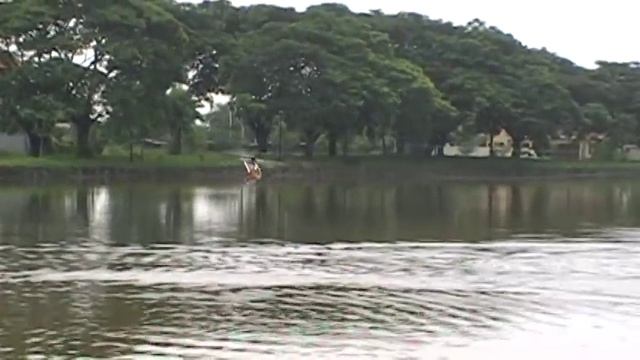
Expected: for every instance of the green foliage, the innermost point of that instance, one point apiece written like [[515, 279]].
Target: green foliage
[[117, 156], [179, 115], [607, 150], [224, 132], [140, 68], [196, 140]]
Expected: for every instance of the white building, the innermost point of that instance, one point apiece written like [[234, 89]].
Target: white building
[[479, 147], [14, 143]]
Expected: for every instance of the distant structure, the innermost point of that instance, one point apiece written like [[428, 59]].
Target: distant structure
[[575, 147], [631, 152], [480, 147]]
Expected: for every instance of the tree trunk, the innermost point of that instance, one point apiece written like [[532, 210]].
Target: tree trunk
[[400, 146], [310, 138], [491, 150], [131, 152], [35, 144], [280, 139], [517, 140], [333, 145], [345, 147], [41, 147], [385, 151], [46, 146], [176, 141], [262, 138], [308, 150], [83, 130], [437, 145]]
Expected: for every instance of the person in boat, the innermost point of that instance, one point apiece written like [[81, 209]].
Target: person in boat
[[253, 169]]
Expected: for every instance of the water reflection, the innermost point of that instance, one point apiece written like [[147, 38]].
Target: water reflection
[[466, 212], [301, 270], [146, 215]]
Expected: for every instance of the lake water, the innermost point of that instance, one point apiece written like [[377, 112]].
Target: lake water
[[324, 271]]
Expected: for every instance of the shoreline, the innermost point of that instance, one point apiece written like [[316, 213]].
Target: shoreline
[[371, 170]]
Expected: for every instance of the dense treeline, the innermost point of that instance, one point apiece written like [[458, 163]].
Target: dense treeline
[[139, 69]]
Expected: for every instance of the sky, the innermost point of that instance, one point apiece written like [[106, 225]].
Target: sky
[[582, 31]]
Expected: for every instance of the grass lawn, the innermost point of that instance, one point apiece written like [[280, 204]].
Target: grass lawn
[[151, 159], [463, 162], [383, 164]]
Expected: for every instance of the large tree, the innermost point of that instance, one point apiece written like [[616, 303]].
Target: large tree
[[30, 101], [91, 43], [399, 79]]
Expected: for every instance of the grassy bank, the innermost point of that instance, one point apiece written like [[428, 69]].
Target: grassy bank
[[466, 164], [160, 166], [417, 168], [156, 166], [151, 160]]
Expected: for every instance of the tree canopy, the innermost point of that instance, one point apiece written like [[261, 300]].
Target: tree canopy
[[140, 68]]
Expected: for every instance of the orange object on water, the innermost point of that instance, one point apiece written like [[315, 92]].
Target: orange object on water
[[254, 172]]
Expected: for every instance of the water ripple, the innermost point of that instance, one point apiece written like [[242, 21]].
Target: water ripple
[[272, 300]]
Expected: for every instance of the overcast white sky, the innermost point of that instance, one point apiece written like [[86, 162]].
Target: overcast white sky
[[582, 31]]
